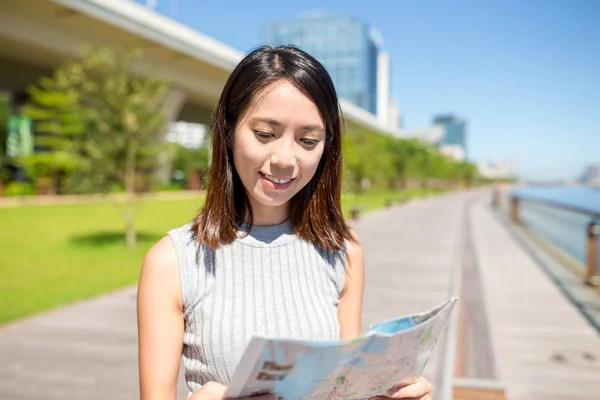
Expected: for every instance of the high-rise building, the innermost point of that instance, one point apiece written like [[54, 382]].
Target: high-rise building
[[592, 174], [350, 52], [503, 169], [454, 136]]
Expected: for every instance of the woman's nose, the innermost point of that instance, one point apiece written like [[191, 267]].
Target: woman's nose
[[284, 154]]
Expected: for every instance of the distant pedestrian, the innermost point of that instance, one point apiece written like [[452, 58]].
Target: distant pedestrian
[[270, 252]]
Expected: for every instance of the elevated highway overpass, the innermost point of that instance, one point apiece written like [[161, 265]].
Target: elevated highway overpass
[[38, 35]]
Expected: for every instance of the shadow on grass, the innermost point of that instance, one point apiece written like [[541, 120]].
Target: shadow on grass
[[100, 239]]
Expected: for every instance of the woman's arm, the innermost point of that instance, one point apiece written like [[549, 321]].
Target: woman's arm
[[350, 307], [160, 322]]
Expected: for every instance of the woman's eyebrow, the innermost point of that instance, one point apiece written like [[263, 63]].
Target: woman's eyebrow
[[268, 121], [275, 123], [313, 128]]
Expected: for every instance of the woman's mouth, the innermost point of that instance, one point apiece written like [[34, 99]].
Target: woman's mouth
[[274, 182]]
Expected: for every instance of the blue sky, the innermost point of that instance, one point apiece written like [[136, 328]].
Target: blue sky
[[524, 74]]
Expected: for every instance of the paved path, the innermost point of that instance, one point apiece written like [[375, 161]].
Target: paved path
[[88, 350], [84, 351], [20, 201]]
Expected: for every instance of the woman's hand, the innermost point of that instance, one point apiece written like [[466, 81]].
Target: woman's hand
[[216, 391], [420, 390]]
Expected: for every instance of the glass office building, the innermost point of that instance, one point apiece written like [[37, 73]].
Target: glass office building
[[345, 46], [454, 131]]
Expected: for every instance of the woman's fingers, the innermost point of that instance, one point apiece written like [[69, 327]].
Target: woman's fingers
[[261, 397], [418, 390]]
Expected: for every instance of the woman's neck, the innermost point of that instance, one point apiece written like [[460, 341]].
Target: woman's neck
[[269, 216]]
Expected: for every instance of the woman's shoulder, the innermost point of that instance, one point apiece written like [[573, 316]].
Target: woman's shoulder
[[165, 253], [353, 252], [160, 274], [162, 255]]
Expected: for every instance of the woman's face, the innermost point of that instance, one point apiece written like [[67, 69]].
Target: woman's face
[[278, 143]]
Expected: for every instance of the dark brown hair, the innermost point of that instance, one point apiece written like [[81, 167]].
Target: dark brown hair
[[315, 211]]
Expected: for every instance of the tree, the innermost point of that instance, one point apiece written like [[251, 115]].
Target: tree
[[60, 120], [98, 115], [368, 156], [386, 160], [4, 117], [193, 163], [127, 121]]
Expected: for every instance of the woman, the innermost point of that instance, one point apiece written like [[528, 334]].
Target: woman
[[269, 253]]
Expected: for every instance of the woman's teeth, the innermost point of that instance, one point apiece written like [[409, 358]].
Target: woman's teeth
[[276, 180]]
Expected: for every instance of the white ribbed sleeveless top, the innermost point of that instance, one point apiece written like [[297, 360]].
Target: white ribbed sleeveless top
[[270, 283]]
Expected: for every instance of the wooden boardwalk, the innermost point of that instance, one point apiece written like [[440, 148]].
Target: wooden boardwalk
[[546, 350], [410, 257]]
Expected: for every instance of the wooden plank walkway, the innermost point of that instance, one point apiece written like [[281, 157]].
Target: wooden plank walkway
[[476, 351], [547, 349], [410, 252]]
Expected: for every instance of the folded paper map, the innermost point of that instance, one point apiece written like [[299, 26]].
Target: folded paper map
[[391, 354]]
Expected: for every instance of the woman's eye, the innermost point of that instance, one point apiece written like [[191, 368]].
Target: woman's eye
[[309, 142], [263, 135]]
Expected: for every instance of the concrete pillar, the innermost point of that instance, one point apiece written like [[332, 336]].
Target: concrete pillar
[[172, 105]]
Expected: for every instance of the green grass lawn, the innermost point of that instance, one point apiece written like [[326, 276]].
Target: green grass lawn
[[373, 200], [55, 254]]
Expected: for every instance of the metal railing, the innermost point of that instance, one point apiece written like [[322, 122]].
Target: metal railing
[[592, 230]]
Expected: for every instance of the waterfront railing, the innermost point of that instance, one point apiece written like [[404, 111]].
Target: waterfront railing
[[567, 221]]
